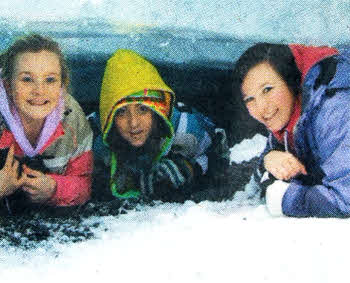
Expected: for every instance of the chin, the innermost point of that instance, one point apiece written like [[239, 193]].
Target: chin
[[277, 128], [273, 128], [37, 114], [38, 117], [136, 144]]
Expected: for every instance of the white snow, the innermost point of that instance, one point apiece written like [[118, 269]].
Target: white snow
[[248, 149], [206, 242], [232, 241]]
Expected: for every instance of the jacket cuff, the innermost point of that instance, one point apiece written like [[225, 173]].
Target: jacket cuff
[[70, 190], [55, 200], [274, 197]]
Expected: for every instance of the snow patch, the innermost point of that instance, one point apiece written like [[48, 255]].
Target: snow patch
[[205, 242], [230, 241], [248, 149]]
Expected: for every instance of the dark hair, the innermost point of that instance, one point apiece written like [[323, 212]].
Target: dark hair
[[32, 43], [278, 56], [151, 147]]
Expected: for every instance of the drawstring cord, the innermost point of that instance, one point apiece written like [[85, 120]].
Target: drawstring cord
[[8, 206], [285, 140]]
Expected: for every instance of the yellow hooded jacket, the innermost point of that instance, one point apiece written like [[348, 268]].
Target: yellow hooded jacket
[[130, 78]]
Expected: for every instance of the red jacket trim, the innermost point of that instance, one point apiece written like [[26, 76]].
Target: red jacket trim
[[307, 56], [74, 186], [7, 139]]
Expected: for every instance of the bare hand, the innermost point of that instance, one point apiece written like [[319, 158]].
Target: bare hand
[[283, 165], [39, 186], [10, 180]]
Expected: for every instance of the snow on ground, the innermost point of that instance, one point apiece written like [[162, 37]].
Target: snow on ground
[[206, 242], [232, 241]]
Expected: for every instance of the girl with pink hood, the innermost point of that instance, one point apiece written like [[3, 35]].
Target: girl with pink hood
[[45, 140]]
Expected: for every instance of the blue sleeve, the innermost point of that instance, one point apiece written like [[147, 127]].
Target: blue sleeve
[[326, 137], [193, 136], [100, 151]]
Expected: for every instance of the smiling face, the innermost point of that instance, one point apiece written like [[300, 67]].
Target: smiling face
[[35, 84], [134, 123], [267, 97]]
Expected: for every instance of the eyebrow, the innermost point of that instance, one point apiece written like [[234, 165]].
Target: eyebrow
[[29, 73], [264, 84], [247, 96], [259, 87]]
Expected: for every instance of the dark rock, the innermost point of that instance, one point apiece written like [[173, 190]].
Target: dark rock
[[29, 228]]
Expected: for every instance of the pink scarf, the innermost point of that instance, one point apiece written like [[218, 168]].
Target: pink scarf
[[14, 123]]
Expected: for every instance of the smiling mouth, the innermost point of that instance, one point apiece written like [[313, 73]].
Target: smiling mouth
[[37, 102], [269, 117], [135, 134]]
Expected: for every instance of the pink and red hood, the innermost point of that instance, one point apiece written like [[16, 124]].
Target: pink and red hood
[[307, 56]]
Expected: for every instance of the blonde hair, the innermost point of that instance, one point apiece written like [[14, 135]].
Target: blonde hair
[[32, 43]]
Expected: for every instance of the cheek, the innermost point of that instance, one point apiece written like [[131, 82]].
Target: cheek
[[18, 89], [285, 102], [54, 92], [279, 99], [253, 111], [119, 124], [146, 120], [147, 125], [17, 97]]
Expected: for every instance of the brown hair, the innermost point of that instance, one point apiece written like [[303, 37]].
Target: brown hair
[[278, 56], [32, 43]]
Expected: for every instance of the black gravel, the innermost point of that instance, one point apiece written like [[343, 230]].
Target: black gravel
[[33, 227]]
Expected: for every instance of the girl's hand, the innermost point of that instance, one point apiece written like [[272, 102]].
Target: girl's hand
[[39, 186], [283, 165], [9, 177]]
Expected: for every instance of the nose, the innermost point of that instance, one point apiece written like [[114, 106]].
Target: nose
[[262, 105], [134, 119], [39, 88]]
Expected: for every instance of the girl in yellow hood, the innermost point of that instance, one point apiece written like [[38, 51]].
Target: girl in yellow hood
[[154, 151]]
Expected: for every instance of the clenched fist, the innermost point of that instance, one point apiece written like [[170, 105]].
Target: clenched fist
[[283, 165]]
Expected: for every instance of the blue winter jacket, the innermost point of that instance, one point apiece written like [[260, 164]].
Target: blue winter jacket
[[322, 144], [193, 139]]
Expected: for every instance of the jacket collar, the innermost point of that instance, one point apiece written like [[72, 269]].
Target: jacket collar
[[14, 124], [7, 139], [308, 56], [289, 129]]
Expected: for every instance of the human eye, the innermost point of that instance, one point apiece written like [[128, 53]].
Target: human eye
[[26, 79], [121, 111], [143, 109], [51, 80], [248, 99], [267, 89]]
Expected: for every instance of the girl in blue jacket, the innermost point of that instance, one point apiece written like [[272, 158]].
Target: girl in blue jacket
[[302, 95]]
